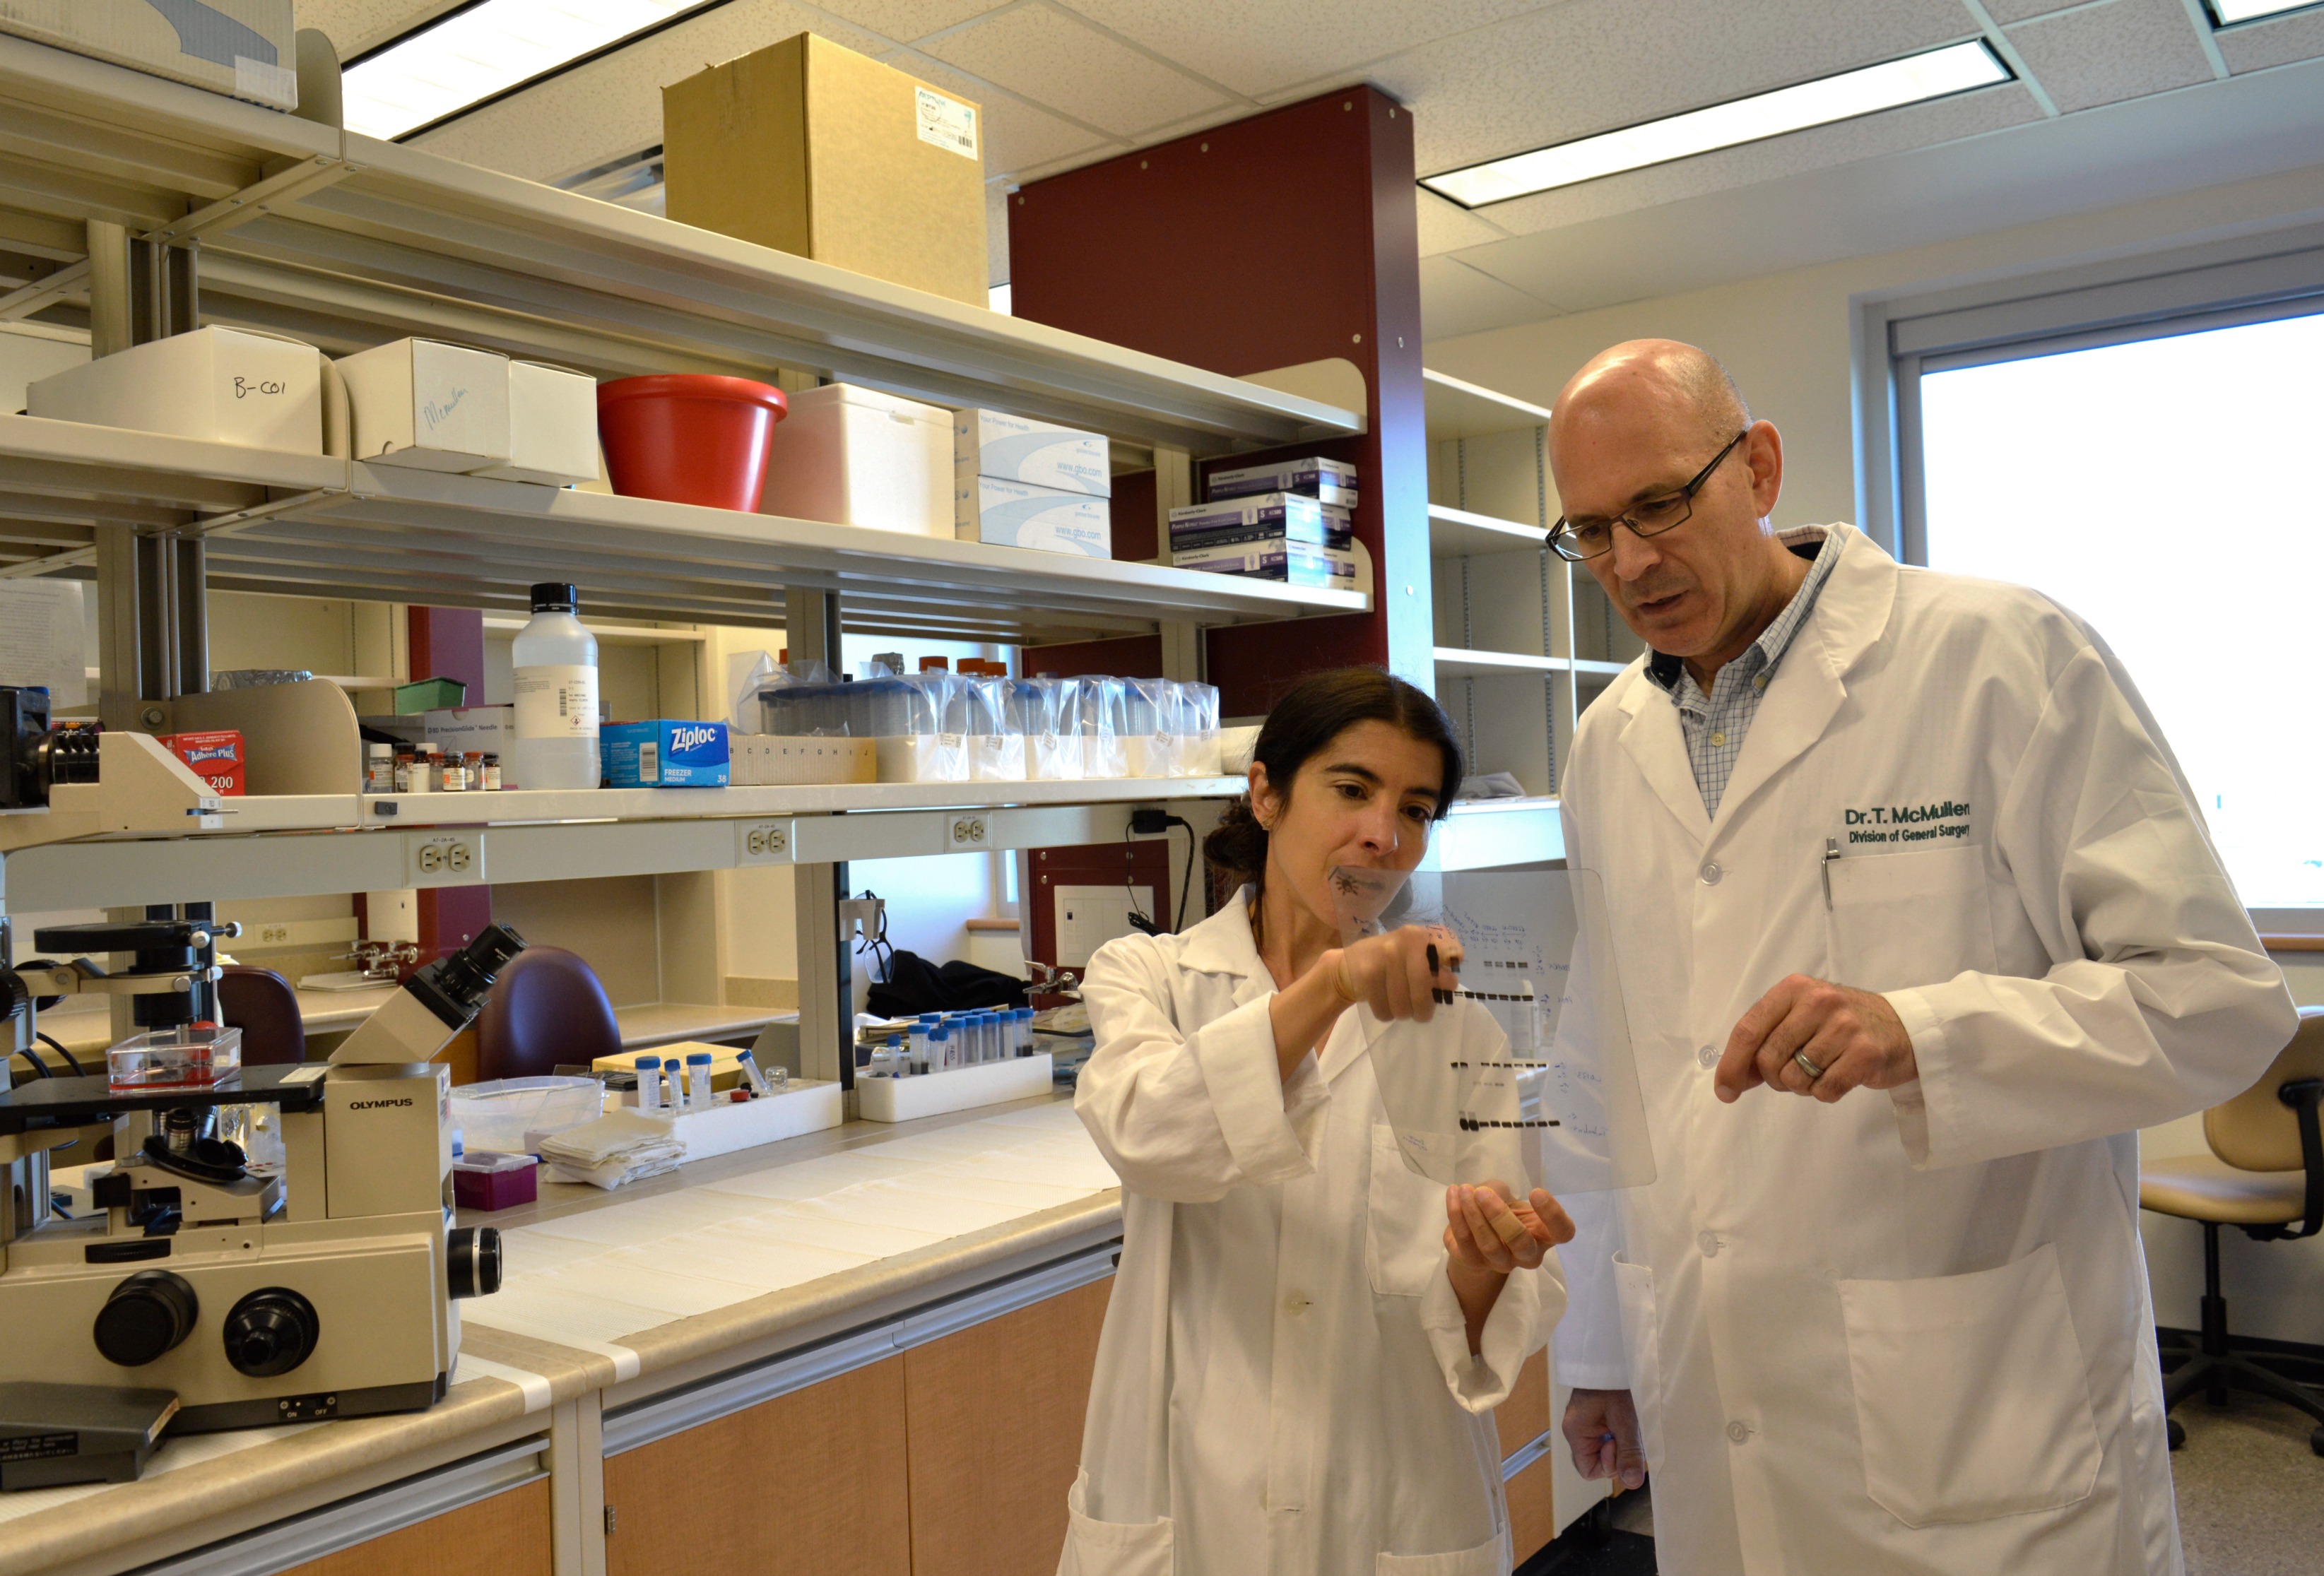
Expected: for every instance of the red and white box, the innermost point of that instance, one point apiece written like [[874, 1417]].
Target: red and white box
[[216, 757]]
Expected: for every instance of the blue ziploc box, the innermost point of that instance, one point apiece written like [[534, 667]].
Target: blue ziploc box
[[664, 754], [1332, 482]]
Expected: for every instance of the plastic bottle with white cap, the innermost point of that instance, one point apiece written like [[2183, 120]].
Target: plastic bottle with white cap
[[698, 1080]]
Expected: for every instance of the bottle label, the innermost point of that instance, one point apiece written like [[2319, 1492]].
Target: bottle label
[[556, 701]]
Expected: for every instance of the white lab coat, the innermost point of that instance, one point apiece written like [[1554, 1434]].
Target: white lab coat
[[1910, 1331], [1284, 1384]]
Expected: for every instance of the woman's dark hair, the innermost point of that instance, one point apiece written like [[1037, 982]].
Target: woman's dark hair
[[1317, 712]]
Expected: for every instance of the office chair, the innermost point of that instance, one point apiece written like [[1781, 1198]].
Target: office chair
[[2264, 1173], [547, 1009], [261, 1003]]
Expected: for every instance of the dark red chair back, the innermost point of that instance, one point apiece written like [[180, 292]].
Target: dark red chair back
[[261, 1003], [547, 1009]]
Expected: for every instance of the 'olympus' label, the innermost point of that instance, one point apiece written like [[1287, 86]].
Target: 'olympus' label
[[377, 1105]]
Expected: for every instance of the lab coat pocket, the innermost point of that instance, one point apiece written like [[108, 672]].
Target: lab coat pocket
[[1904, 920], [1487, 1559], [1972, 1396], [1113, 1548], [1404, 1234], [1634, 1285]]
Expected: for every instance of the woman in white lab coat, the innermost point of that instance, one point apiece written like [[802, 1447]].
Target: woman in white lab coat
[[1305, 1339]]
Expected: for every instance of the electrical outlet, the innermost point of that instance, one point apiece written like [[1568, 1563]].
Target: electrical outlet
[[763, 842], [444, 859], [968, 831]]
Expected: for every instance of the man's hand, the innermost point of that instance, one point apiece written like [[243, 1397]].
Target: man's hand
[[1602, 1429], [1854, 1037]]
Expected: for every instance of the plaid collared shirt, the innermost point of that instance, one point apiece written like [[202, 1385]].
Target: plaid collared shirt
[[1715, 724]]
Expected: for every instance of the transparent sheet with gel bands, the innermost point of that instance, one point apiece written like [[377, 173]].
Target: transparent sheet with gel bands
[[1527, 1075]]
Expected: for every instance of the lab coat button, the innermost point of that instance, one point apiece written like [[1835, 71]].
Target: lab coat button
[[1738, 1431], [1707, 1057], [1711, 873], [1708, 1242]]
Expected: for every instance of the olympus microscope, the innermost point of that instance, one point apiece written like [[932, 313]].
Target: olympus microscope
[[203, 1290]]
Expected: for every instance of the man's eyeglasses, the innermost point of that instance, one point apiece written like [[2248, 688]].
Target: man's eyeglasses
[[1576, 539]]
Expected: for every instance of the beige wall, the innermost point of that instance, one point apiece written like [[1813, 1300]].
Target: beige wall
[[1786, 336]]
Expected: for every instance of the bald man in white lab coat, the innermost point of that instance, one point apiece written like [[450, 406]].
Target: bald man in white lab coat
[[1917, 925]]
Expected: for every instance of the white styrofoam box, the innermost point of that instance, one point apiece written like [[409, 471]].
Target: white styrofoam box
[[224, 385], [901, 1100], [430, 405], [996, 757], [1017, 515], [923, 757], [1017, 448], [489, 729], [552, 426], [850, 456], [799, 1107], [244, 48], [780, 760]]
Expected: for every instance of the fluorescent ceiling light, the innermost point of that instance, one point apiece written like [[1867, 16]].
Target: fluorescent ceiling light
[[1956, 68], [485, 50], [2230, 12]]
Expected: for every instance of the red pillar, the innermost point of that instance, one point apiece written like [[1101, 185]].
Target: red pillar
[[1285, 238]]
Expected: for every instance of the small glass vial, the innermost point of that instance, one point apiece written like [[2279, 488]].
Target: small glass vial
[[379, 768], [474, 761], [649, 1084], [423, 770], [406, 763], [492, 778], [697, 1080], [453, 775], [883, 1063]]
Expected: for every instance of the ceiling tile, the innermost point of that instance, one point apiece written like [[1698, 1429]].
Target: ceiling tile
[[1019, 137], [1555, 75], [2006, 12], [354, 26], [2126, 49], [1261, 50], [1871, 136], [1447, 226], [1456, 300], [2274, 43], [612, 107], [906, 20], [1056, 59]]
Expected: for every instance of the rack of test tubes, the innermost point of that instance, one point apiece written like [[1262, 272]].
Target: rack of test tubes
[[717, 1099], [950, 1061]]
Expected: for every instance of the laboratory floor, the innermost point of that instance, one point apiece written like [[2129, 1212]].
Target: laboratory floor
[[2251, 1502]]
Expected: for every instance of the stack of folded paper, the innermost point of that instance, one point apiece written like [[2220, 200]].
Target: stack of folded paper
[[614, 1150]]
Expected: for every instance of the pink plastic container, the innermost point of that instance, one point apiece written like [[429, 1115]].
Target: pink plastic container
[[689, 437]]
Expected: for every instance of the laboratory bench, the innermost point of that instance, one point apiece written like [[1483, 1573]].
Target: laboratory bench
[[867, 1349], [644, 1025]]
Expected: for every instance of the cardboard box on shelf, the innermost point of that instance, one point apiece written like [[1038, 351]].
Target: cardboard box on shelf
[[1015, 514], [1332, 482], [1294, 562], [486, 730], [552, 426], [1018, 448], [430, 405], [782, 760], [214, 756], [856, 456], [224, 385], [1267, 514], [244, 48], [664, 753], [814, 149]]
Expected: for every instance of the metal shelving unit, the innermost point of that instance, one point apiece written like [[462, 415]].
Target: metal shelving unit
[[144, 208]]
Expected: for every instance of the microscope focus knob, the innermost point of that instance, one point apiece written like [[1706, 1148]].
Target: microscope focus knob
[[471, 1262], [146, 1316], [270, 1331]]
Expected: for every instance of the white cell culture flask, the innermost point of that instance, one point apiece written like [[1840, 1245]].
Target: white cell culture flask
[[1526, 1074]]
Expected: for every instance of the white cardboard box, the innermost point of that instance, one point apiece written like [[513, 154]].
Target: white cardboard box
[[224, 385], [856, 456], [430, 405], [798, 1107], [242, 47], [489, 729], [1014, 515], [901, 1100], [552, 426], [1017, 448], [784, 760]]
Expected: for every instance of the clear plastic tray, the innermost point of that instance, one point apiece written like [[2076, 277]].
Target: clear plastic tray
[[175, 1058]]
